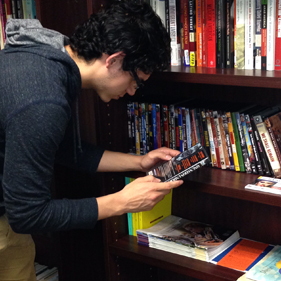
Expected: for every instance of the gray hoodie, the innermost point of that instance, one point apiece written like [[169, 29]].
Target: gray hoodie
[[37, 88]]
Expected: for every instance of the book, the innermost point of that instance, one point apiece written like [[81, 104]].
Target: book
[[275, 122], [205, 131], [215, 138], [240, 34], [199, 32], [188, 127], [258, 25], [172, 127], [264, 34], [192, 31], [181, 165], [211, 141], [230, 33], [185, 32], [220, 33], [269, 269], [278, 36], [249, 33], [266, 184], [243, 254], [268, 146], [129, 215], [188, 238], [8, 9], [270, 60], [211, 33], [204, 33]]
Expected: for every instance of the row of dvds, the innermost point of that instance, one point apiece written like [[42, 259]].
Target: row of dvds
[[244, 140]]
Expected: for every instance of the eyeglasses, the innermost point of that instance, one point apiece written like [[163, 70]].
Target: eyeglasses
[[137, 79]]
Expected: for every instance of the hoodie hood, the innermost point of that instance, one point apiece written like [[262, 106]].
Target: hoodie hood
[[21, 32]]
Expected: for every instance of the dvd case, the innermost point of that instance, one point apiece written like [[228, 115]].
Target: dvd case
[[181, 165]]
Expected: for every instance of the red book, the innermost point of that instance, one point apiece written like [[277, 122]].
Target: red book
[[185, 32], [192, 32], [204, 33], [199, 43], [278, 36], [211, 33]]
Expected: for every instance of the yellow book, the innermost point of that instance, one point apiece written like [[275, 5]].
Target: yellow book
[[233, 143], [160, 211]]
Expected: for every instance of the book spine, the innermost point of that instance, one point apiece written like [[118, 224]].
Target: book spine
[[233, 142], [158, 125], [205, 131], [150, 127], [264, 34], [229, 33], [215, 138], [34, 15], [240, 34], [19, 10], [180, 125], [167, 16], [184, 129], [268, 146], [177, 128], [248, 144], [140, 128], [199, 32], [201, 129], [188, 127], [130, 138], [257, 158], [258, 26], [3, 22], [8, 9], [14, 9], [249, 33], [166, 126], [228, 141], [271, 11], [237, 142], [219, 139], [29, 9], [223, 140], [185, 32], [243, 144], [198, 133], [204, 33], [211, 140], [137, 128], [175, 41], [220, 34], [262, 153], [211, 33], [147, 129], [129, 215], [143, 124], [154, 126], [172, 130], [273, 139], [193, 128], [278, 36], [192, 32]]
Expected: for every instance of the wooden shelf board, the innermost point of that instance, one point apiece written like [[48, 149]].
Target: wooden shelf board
[[127, 247], [230, 77]]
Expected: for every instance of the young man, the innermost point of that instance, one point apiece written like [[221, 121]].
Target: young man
[[41, 75]]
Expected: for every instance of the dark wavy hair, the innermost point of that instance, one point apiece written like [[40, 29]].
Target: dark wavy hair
[[126, 26]]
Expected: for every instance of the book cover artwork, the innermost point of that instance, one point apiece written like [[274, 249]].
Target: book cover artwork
[[266, 184], [182, 164]]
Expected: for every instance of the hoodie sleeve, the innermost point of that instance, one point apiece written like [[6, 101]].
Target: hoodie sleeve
[[33, 136]]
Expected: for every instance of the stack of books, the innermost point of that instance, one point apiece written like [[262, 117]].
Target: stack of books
[[187, 238], [45, 273]]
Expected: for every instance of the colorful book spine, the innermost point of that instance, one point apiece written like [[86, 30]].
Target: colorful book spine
[[154, 126], [248, 144], [258, 25], [228, 141], [147, 129], [140, 128], [180, 122], [204, 33], [211, 33], [192, 32], [143, 127], [233, 142], [130, 138], [172, 128], [264, 34], [137, 130], [254, 145], [184, 129], [215, 138], [185, 32], [278, 36], [220, 34], [271, 13], [205, 131], [193, 128], [158, 125], [188, 127], [166, 126], [8, 9], [223, 140], [150, 127], [230, 33], [211, 141], [199, 33]]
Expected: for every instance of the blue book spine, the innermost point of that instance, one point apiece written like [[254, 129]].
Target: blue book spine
[[143, 126], [154, 125], [180, 128]]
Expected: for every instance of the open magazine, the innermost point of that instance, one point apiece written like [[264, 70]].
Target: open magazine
[[182, 164], [188, 238]]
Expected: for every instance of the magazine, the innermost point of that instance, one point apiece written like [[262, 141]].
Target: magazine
[[182, 164], [188, 238], [266, 184]]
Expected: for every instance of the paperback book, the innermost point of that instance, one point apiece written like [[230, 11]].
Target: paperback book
[[187, 238], [266, 184], [182, 164]]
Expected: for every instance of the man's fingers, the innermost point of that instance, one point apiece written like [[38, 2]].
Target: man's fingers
[[170, 185]]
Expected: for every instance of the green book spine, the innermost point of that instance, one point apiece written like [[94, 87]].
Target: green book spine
[[238, 145]]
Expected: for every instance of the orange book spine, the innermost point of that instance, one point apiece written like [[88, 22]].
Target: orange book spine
[[199, 29]]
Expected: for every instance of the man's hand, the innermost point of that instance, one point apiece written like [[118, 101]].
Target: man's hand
[[152, 158], [140, 195]]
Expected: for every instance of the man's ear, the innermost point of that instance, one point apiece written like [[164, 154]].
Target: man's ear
[[114, 58]]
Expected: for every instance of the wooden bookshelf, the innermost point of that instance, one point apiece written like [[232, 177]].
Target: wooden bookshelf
[[208, 195]]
